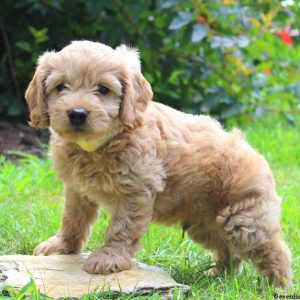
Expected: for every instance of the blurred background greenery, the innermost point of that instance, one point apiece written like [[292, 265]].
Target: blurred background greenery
[[227, 58]]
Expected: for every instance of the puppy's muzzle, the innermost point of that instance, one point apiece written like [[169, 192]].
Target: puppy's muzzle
[[77, 116]]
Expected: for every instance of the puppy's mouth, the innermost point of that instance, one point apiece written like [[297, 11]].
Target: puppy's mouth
[[79, 128]]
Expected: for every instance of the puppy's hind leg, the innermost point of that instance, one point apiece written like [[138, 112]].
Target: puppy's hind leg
[[79, 214], [252, 229], [210, 237]]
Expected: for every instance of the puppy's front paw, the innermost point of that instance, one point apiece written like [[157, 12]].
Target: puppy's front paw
[[55, 246], [107, 260], [213, 271]]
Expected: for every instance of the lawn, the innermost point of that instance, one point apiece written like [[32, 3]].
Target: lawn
[[31, 205]]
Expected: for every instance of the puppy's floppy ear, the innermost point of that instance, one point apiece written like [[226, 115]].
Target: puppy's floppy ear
[[36, 98], [137, 92]]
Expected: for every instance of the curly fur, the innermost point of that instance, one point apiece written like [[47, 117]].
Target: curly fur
[[160, 165]]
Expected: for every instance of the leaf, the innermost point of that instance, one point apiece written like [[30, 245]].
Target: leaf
[[254, 22], [259, 112], [169, 3], [199, 32], [174, 78], [242, 41], [95, 7], [40, 36], [56, 4], [268, 18], [231, 111], [26, 288], [228, 42], [149, 77], [222, 42], [183, 18], [215, 42], [24, 46], [211, 102], [259, 49], [290, 119]]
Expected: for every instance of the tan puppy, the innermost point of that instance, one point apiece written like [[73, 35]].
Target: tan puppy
[[115, 148]]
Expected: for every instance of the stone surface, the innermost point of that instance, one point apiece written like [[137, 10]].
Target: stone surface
[[62, 276]]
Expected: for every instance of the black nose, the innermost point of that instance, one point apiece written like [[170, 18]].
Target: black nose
[[77, 116]]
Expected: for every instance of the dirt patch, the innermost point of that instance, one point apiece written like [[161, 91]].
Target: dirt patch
[[18, 136]]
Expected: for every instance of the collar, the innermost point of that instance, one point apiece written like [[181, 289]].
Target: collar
[[93, 145]]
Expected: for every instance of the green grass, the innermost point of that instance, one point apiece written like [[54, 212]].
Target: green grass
[[31, 205]]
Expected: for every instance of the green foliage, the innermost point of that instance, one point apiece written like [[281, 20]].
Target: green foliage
[[219, 57], [31, 202]]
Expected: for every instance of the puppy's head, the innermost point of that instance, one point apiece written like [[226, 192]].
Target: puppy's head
[[88, 91]]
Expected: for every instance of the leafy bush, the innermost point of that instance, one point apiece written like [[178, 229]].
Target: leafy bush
[[222, 57]]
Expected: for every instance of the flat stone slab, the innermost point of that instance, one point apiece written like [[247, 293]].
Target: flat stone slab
[[61, 276]]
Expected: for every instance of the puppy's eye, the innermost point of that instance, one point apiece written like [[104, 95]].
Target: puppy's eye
[[103, 90], [61, 87]]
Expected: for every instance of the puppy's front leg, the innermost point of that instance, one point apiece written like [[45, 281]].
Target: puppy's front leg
[[79, 214], [129, 221]]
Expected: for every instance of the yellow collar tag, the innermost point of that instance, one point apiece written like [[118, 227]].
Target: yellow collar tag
[[90, 145], [93, 145]]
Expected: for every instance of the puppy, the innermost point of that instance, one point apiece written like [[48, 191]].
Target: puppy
[[143, 161]]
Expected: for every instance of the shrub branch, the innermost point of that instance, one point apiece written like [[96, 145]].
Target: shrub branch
[[10, 61]]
